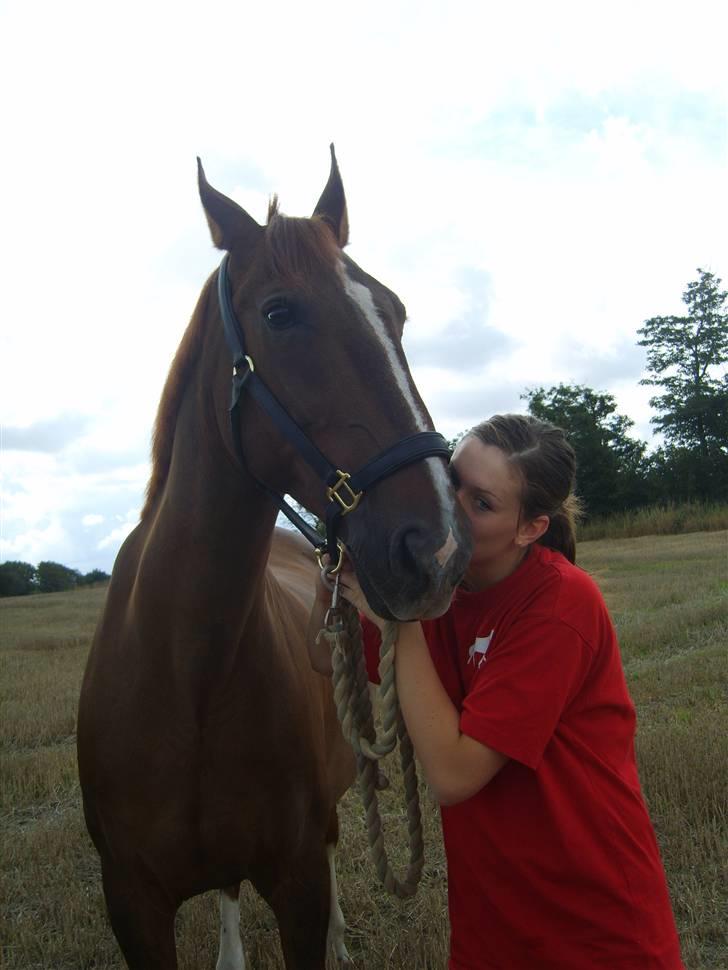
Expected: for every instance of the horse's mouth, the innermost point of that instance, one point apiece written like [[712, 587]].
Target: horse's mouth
[[402, 606]]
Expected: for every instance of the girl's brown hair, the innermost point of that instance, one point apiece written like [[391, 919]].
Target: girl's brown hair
[[547, 465]]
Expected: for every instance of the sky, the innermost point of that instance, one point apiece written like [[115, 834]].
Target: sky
[[534, 181]]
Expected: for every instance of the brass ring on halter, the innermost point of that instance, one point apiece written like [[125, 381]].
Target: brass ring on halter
[[251, 365], [327, 570]]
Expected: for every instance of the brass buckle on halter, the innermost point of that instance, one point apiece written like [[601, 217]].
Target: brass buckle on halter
[[326, 568], [348, 502]]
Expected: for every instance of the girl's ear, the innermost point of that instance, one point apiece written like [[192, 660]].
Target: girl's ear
[[531, 530]]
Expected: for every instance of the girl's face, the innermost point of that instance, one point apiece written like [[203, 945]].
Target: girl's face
[[489, 490]]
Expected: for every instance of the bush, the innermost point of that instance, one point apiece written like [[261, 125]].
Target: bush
[[55, 578], [669, 519], [95, 576], [17, 579]]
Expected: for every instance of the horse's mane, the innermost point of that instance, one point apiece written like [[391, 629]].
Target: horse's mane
[[296, 251], [188, 353]]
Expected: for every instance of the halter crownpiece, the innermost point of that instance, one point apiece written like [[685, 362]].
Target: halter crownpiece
[[344, 490]]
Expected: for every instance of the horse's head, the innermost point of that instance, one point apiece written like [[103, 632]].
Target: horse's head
[[326, 339]]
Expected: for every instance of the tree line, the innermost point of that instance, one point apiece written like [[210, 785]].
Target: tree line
[[22, 578], [686, 363]]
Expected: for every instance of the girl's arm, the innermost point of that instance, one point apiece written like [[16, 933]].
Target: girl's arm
[[456, 766]]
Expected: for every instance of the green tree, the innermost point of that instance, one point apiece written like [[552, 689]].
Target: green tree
[[610, 473], [686, 357], [95, 576], [17, 578], [55, 578], [678, 474]]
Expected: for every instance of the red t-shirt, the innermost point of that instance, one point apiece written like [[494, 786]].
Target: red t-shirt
[[554, 864]]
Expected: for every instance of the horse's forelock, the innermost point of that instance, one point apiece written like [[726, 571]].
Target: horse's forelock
[[299, 251], [272, 207]]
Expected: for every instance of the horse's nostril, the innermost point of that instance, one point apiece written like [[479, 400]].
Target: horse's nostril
[[410, 548]]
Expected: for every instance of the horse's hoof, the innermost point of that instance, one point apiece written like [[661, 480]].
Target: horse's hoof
[[382, 781]]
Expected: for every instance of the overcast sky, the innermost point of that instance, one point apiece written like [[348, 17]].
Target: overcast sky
[[534, 180]]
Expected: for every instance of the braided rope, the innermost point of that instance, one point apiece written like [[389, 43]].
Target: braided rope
[[354, 709]]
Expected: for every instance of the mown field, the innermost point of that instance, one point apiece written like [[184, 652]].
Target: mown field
[[669, 598]]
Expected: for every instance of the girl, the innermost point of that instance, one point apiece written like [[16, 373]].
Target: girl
[[516, 703]]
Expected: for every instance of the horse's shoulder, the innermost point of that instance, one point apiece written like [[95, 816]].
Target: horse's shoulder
[[293, 563]]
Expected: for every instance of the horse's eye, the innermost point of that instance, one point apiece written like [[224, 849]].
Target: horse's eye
[[278, 315]]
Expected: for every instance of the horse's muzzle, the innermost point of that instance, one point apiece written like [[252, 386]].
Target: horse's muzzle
[[416, 578]]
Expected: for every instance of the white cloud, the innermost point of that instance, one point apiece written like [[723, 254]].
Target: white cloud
[[50, 542], [574, 161], [117, 535]]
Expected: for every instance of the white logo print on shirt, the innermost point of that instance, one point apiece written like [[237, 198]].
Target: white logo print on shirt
[[480, 647]]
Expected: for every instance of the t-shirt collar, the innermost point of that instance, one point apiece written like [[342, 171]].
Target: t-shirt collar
[[482, 598]]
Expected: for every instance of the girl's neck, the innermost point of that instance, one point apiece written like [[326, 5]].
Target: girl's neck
[[490, 574]]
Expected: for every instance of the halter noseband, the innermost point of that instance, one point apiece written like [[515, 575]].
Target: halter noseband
[[343, 490]]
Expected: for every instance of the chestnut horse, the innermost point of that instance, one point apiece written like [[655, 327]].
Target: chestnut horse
[[208, 749]]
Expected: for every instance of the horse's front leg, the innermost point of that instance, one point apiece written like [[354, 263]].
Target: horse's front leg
[[230, 955]]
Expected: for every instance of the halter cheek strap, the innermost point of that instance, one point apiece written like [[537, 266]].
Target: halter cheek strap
[[344, 491]]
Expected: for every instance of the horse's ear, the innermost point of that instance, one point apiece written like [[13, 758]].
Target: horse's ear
[[331, 207], [230, 225]]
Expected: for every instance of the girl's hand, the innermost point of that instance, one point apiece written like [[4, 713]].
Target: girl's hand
[[352, 591], [322, 591]]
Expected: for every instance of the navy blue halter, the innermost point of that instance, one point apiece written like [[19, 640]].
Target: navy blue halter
[[343, 490]]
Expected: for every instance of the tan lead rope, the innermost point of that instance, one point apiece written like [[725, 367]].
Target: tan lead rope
[[354, 709]]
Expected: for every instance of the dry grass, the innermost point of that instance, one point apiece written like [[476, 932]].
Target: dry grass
[[658, 520], [669, 597]]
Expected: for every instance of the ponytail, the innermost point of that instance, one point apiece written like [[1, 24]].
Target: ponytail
[[561, 533]]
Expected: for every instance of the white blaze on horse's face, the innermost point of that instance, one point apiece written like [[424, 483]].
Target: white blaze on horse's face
[[362, 297], [444, 553]]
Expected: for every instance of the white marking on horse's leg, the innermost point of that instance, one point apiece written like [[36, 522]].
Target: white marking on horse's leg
[[444, 553], [362, 297], [337, 924], [230, 956]]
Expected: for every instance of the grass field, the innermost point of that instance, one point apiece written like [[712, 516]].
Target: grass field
[[671, 519], [669, 599]]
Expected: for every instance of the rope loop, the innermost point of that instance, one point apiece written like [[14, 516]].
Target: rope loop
[[354, 710]]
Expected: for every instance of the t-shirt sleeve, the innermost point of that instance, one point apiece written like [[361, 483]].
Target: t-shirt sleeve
[[523, 685]]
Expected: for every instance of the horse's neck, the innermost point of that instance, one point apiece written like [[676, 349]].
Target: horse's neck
[[212, 525]]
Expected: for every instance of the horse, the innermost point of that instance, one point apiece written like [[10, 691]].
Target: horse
[[208, 749]]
